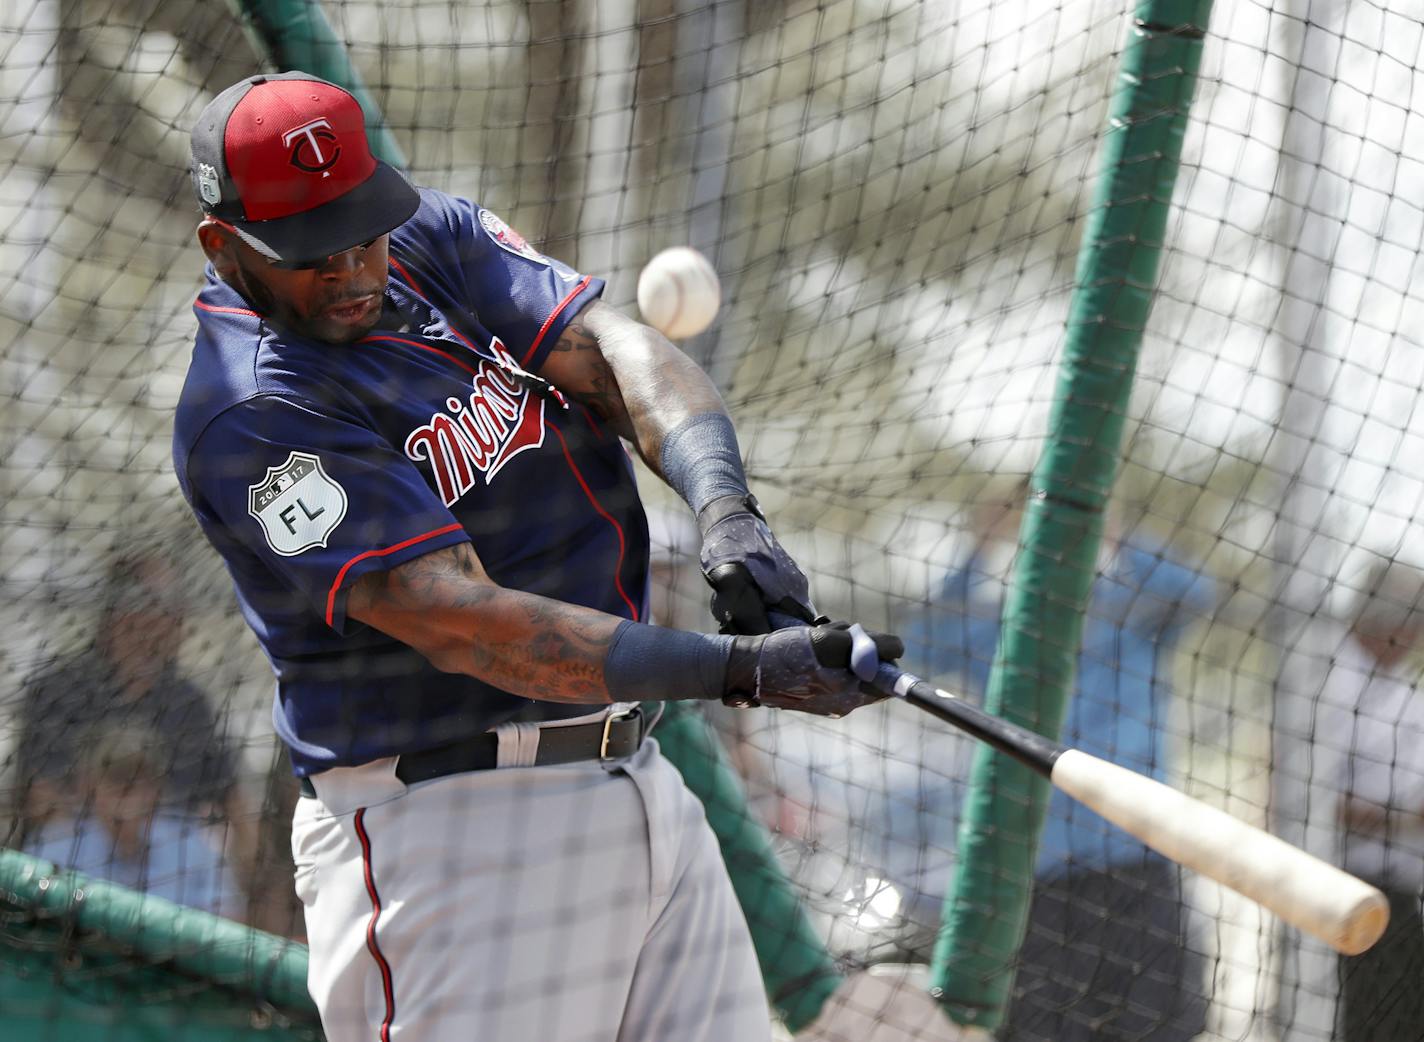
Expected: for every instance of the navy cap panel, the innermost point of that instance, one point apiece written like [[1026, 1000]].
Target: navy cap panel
[[217, 194]]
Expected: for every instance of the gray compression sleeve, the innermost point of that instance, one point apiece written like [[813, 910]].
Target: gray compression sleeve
[[654, 664], [701, 460]]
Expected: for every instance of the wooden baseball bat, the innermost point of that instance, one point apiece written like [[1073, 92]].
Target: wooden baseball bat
[[1343, 911]]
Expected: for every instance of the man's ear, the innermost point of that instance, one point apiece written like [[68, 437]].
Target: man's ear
[[220, 246]]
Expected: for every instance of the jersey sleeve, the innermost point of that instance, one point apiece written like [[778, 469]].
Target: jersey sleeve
[[522, 296], [319, 499]]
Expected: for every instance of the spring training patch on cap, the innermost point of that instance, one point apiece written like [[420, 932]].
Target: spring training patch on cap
[[507, 238], [297, 504], [209, 185]]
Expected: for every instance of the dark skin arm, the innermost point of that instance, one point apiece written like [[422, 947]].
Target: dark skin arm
[[631, 377], [445, 605]]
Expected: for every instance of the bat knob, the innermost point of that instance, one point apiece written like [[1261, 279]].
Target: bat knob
[[864, 659]]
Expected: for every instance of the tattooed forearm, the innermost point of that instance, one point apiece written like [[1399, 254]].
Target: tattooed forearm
[[452, 576], [576, 337], [596, 387], [631, 375], [445, 606]]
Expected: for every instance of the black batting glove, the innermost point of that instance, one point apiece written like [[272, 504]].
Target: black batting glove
[[749, 571], [809, 668]]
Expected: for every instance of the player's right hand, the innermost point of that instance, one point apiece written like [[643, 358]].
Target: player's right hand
[[750, 573], [806, 668]]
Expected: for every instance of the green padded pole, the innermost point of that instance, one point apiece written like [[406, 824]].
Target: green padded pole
[[272, 969], [986, 907], [295, 34], [799, 974]]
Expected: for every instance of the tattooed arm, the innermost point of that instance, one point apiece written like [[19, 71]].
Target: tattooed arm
[[447, 607], [631, 377], [658, 398]]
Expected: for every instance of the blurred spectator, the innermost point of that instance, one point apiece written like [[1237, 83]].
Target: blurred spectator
[[1329, 671], [1106, 955], [122, 832], [952, 640], [127, 681], [1381, 809]]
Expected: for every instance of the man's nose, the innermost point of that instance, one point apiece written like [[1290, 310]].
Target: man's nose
[[344, 264]]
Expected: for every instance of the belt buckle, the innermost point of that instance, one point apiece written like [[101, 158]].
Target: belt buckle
[[608, 726]]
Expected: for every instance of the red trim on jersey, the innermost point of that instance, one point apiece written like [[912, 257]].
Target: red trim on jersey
[[622, 543], [466, 340], [387, 983], [400, 269], [555, 314], [341, 575], [592, 424], [420, 344], [225, 311], [421, 294]]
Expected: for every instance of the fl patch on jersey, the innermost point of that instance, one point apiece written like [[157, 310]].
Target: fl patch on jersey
[[297, 504]]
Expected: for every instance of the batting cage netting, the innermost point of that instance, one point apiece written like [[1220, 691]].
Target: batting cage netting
[[902, 199]]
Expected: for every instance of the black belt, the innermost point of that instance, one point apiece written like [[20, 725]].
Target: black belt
[[612, 738]]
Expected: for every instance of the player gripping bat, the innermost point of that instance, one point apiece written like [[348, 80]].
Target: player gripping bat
[[1343, 911]]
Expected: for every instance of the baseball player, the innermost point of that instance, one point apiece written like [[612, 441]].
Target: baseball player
[[402, 429]]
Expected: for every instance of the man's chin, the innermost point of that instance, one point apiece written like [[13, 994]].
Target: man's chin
[[334, 331]]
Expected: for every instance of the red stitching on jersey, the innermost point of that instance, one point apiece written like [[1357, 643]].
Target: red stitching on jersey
[[420, 344], [555, 314], [341, 575], [387, 984], [464, 339], [592, 424], [618, 568], [400, 268], [450, 326], [225, 311]]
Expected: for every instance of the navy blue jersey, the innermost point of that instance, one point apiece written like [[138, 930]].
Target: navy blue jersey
[[310, 464]]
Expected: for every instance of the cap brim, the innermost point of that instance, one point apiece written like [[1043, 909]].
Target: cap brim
[[379, 204]]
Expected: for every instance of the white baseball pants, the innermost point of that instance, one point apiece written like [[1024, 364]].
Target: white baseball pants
[[579, 903]]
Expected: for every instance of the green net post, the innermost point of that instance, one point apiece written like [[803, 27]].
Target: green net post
[[799, 973], [986, 908], [295, 34]]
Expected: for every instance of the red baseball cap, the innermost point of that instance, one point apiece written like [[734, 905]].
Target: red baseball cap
[[284, 160]]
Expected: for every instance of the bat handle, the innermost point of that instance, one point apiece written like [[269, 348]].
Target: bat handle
[[893, 682]]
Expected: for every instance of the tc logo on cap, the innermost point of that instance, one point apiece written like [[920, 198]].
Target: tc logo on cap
[[306, 145]]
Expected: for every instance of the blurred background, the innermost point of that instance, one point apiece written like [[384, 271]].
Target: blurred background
[[892, 193]]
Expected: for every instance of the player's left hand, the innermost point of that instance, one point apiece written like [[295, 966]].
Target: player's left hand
[[749, 571], [825, 670]]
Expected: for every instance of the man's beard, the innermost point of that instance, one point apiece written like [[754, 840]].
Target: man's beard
[[262, 299], [267, 304]]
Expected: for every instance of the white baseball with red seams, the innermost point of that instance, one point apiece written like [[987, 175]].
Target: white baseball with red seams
[[679, 293]]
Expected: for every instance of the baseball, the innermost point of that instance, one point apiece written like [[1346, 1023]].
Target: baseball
[[679, 293]]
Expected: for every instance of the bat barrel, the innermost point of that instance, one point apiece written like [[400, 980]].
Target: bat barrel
[[1343, 911]]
